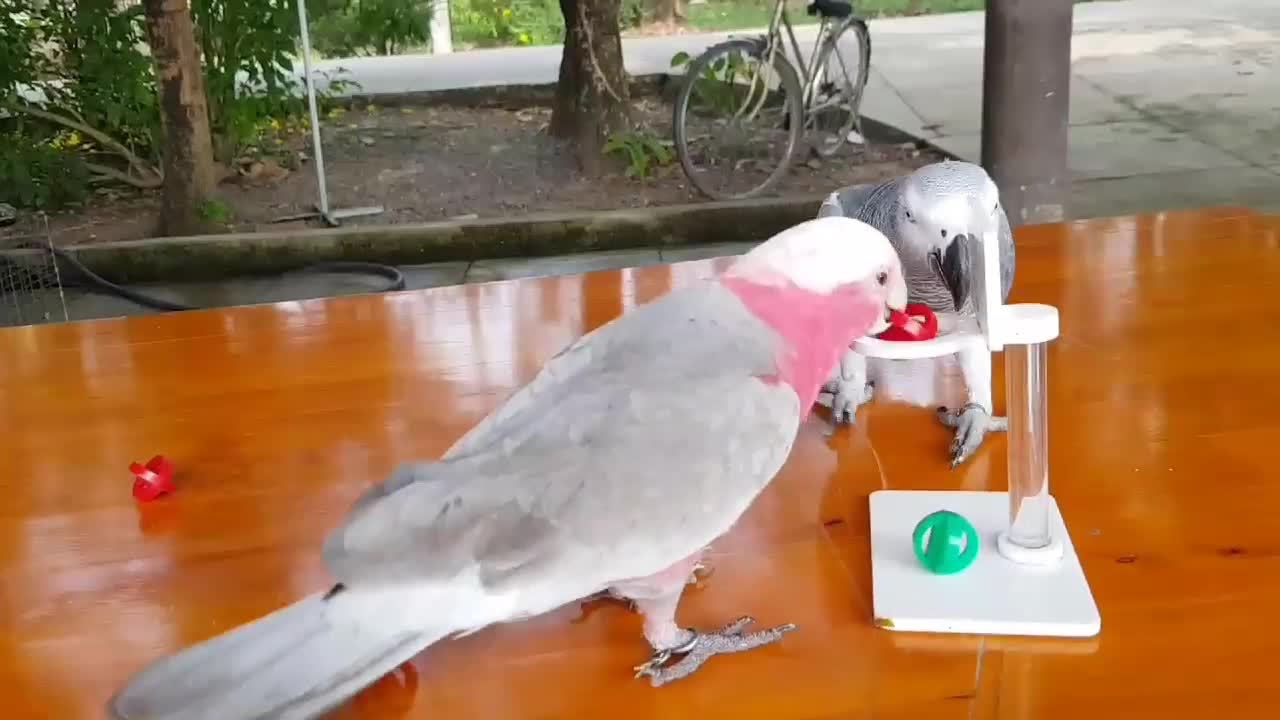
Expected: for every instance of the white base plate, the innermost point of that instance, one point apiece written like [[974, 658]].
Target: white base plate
[[993, 596]]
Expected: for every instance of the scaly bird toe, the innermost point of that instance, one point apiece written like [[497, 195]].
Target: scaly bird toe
[[702, 646], [971, 423]]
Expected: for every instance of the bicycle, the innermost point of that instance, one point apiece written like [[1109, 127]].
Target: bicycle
[[826, 91]]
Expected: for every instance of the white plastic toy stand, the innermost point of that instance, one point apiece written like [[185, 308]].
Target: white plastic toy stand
[[1026, 578]]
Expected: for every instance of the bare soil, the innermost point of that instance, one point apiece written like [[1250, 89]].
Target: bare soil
[[432, 163]]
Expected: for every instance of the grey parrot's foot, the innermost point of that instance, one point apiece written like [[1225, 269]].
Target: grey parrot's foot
[[971, 423], [701, 646], [847, 397]]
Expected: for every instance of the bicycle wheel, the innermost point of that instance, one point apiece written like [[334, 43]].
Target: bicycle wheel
[[727, 90], [841, 67]]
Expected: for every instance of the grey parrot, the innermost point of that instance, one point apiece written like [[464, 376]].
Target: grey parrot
[[611, 472], [935, 217]]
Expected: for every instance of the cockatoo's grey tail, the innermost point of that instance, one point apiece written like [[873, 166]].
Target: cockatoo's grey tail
[[936, 218], [611, 471]]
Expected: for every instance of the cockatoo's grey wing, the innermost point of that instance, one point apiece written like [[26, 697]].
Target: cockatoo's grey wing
[[1008, 257], [631, 450]]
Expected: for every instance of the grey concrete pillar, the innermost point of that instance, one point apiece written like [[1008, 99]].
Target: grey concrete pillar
[[1026, 80]]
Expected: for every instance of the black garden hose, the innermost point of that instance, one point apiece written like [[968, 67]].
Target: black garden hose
[[395, 279]]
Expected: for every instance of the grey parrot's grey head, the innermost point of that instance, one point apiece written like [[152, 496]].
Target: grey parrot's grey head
[[944, 210], [825, 254]]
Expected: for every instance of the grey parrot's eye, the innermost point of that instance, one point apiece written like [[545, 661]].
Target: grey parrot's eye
[[883, 278], [910, 217]]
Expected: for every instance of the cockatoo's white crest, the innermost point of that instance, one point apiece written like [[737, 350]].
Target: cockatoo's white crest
[[821, 255]]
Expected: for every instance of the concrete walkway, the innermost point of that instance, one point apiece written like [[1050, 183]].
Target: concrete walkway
[[1174, 103]]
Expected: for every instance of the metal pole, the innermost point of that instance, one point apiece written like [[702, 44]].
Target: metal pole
[[1026, 82], [315, 115]]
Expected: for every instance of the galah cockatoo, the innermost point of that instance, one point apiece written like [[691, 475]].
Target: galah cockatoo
[[610, 472], [935, 218]]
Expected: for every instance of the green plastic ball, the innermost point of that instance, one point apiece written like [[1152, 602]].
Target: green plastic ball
[[945, 543]]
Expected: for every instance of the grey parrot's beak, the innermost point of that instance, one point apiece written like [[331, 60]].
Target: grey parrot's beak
[[953, 267]]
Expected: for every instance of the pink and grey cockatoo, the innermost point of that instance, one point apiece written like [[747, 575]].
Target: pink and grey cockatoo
[[610, 472]]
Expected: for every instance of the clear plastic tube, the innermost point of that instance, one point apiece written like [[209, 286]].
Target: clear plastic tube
[[1027, 391]]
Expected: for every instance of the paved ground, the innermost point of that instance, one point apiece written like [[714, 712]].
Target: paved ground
[[1174, 103]]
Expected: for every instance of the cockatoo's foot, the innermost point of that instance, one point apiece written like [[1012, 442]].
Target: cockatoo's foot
[[700, 571], [698, 647], [972, 423], [847, 397]]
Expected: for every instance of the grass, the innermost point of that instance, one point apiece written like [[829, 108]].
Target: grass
[[493, 23], [722, 15]]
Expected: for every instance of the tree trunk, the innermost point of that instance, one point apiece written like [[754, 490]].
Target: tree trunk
[[670, 14], [189, 177], [592, 97]]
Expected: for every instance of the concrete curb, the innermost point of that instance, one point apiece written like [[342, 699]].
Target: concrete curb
[[217, 257]]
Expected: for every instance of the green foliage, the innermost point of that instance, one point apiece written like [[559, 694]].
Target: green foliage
[[494, 23], [215, 211], [633, 13], [19, 34], [257, 38], [40, 174], [641, 149], [346, 28], [80, 72], [89, 58], [719, 85]]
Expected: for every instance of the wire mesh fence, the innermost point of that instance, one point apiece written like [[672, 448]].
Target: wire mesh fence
[[31, 291]]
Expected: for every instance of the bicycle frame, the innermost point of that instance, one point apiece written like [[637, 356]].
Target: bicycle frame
[[773, 43]]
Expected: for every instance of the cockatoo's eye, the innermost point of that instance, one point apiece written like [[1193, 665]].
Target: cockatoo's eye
[[944, 234], [883, 278]]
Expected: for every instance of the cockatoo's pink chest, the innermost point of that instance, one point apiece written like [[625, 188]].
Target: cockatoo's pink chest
[[816, 328]]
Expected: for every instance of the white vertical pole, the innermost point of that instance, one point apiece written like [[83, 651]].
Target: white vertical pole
[[311, 102], [441, 28]]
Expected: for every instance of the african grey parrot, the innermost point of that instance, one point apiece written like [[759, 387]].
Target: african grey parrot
[[630, 451], [934, 217]]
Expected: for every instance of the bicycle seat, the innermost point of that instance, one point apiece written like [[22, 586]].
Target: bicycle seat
[[830, 9]]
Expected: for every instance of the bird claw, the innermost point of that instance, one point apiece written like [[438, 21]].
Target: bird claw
[[971, 423], [700, 572], [847, 397], [655, 662], [701, 646]]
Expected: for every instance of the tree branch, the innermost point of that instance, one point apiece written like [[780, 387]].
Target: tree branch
[[109, 173], [106, 140]]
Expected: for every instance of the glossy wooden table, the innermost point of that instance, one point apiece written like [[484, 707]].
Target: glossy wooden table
[[1164, 427]]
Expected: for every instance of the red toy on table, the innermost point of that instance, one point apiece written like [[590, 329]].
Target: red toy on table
[[153, 479], [917, 323]]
